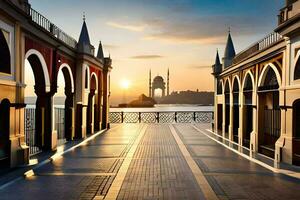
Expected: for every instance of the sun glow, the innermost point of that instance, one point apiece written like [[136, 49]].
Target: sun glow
[[125, 84]]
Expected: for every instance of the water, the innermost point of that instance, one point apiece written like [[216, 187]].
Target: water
[[166, 107]]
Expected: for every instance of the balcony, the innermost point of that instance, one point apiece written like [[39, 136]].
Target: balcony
[[261, 45], [49, 27]]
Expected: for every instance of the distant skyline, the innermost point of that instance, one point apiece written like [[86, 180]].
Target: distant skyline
[[182, 35]]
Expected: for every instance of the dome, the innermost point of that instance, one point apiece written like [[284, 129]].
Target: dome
[[158, 79]]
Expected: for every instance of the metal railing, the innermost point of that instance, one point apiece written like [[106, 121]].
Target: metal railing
[[30, 136], [47, 25], [266, 42], [60, 123], [161, 117]]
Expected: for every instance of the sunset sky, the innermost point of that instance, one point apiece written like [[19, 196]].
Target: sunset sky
[[182, 35]]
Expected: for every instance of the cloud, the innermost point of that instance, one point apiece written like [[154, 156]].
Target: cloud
[[200, 67], [110, 46], [201, 30], [146, 57], [134, 28]]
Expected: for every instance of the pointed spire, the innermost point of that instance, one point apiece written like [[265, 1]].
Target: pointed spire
[[100, 54], [217, 67], [229, 51], [217, 62], [84, 44], [84, 37]]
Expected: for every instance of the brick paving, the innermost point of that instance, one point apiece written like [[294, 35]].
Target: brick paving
[[157, 170], [232, 176]]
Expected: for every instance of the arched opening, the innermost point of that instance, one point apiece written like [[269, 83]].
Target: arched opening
[[296, 133], [219, 109], [248, 111], [219, 88], [268, 112], [4, 133], [297, 70], [91, 105], [86, 80], [4, 53], [63, 104], [227, 108], [158, 93], [236, 105], [38, 111]]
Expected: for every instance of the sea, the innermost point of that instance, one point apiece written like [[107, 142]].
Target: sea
[[166, 107]]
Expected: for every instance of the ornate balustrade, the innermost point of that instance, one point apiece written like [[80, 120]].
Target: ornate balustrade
[[48, 26], [266, 42], [161, 117]]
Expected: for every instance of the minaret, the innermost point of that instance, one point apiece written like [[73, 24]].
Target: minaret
[[229, 52], [150, 83], [168, 83]]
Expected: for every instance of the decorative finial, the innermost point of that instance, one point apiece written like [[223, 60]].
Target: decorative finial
[[228, 29], [84, 16]]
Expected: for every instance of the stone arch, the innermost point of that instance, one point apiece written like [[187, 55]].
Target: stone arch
[[227, 95], [269, 113], [5, 59], [220, 87], [247, 98], [236, 87], [68, 75], [264, 73], [65, 128], [38, 64], [247, 75], [94, 82], [296, 71]]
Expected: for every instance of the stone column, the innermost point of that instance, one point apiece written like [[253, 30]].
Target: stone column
[[223, 115], [230, 128], [241, 118]]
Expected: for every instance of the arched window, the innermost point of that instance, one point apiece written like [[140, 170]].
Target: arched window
[[248, 84], [270, 81], [297, 70], [86, 79], [4, 53], [219, 89]]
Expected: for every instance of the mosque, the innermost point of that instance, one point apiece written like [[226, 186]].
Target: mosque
[[157, 87]]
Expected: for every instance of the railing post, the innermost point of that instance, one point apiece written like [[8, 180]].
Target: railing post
[[157, 117], [122, 117], [140, 119], [194, 116], [175, 117]]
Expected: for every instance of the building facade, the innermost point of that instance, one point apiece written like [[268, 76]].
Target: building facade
[[257, 91], [27, 35]]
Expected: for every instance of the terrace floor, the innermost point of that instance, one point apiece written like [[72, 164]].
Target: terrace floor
[[152, 161]]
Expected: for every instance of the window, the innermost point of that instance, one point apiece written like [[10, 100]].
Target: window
[[297, 70], [4, 53], [86, 79]]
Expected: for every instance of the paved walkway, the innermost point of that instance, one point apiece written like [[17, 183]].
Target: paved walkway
[[155, 161]]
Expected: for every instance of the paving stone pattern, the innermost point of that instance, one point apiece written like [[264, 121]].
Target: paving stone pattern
[[232, 176], [159, 170]]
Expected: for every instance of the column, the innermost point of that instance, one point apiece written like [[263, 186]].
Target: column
[[241, 118], [230, 128]]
